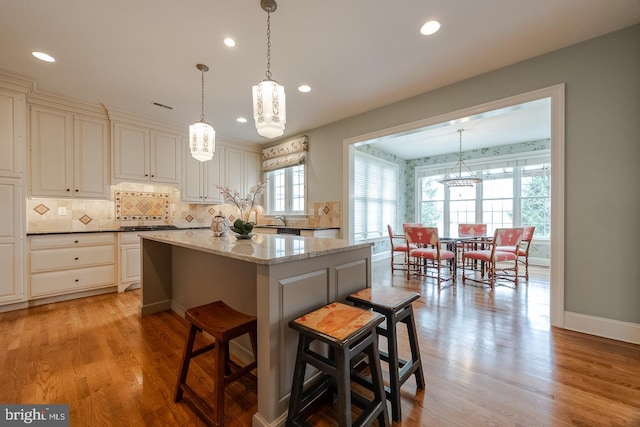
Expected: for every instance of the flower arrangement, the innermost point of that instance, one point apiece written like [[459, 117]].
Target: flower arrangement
[[244, 204]]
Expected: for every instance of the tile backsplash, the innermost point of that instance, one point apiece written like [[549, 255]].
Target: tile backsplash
[[144, 204]]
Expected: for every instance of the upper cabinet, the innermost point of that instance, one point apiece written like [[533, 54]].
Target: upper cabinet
[[199, 179], [144, 151], [12, 124], [243, 169], [69, 154]]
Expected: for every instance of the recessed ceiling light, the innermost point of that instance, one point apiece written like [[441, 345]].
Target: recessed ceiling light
[[43, 56], [229, 42], [241, 120], [429, 28], [304, 88]]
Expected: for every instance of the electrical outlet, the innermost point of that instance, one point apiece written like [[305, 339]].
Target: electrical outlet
[[62, 210]]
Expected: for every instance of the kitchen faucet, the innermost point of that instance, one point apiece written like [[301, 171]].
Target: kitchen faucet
[[281, 218]]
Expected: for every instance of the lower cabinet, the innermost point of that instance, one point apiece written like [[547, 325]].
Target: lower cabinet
[[68, 263], [129, 260]]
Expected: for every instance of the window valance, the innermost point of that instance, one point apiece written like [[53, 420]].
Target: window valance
[[289, 153]]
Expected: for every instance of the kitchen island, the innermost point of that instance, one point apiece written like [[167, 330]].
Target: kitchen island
[[275, 277]]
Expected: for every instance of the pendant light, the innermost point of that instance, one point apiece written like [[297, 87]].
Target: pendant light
[[453, 180], [202, 137], [269, 110]]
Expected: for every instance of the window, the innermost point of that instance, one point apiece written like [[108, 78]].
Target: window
[[286, 191], [512, 193], [497, 198], [374, 196]]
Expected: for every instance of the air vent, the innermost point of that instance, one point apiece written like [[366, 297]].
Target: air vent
[[157, 104]]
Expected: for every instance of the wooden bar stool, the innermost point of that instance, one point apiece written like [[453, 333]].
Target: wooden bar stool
[[395, 305], [349, 332], [224, 324]]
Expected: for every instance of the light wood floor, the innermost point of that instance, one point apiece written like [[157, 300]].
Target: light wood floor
[[489, 357]]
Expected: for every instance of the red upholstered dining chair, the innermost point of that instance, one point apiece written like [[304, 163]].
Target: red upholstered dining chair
[[523, 249], [429, 254], [500, 265], [399, 244], [471, 231]]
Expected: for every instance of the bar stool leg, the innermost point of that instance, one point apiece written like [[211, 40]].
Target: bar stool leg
[[222, 352], [378, 383], [343, 384], [295, 399], [394, 369], [415, 351], [186, 359]]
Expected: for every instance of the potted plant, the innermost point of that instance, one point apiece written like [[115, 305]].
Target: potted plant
[[242, 226]]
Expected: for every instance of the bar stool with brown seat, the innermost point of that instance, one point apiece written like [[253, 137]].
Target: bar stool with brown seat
[[350, 334], [224, 324], [396, 306]]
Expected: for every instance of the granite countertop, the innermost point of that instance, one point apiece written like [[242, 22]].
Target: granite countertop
[[120, 230], [106, 230], [261, 249], [294, 227]]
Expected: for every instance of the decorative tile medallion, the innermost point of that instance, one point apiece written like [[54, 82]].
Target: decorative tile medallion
[[212, 211], [41, 209], [137, 205], [188, 218], [326, 210], [85, 219]]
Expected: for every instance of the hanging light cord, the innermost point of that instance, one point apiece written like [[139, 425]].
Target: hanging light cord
[[460, 153], [268, 73], [202, 97]]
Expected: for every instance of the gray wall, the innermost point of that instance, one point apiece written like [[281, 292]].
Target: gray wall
[[602, 207]]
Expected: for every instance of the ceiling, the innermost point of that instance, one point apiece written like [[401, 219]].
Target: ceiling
[[356, 55], [530, 121]]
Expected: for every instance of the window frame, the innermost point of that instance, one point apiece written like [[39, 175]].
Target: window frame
[[288, 196]]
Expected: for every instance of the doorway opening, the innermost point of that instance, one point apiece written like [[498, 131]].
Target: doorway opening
[[556, 96]]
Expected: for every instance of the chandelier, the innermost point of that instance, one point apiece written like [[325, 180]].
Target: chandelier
[[455, 177], [202, 137], [269, 110]]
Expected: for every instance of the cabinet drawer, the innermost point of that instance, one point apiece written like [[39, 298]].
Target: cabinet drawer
[[43, 284], [77, 239], [56, 259]]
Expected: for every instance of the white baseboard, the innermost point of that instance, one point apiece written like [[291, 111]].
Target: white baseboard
[[599, 326], [539, 262]]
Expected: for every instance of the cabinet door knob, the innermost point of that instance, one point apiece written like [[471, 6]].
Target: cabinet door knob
[[77, 190], [146, 174], [77, 280], [68, 189], [75, 241], [77, 258], [153, 176]]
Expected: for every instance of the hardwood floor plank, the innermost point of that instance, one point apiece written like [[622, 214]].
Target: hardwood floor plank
[[490, 358]]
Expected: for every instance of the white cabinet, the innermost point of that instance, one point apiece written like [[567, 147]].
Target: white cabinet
[[145, 154], [12, 198], [11, 266], [199, 179], [67, 263], [12, 125], [129, 259], [243, 169], [69, 154]]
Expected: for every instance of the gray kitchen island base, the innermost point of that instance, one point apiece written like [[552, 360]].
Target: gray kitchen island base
[[275, 277]]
